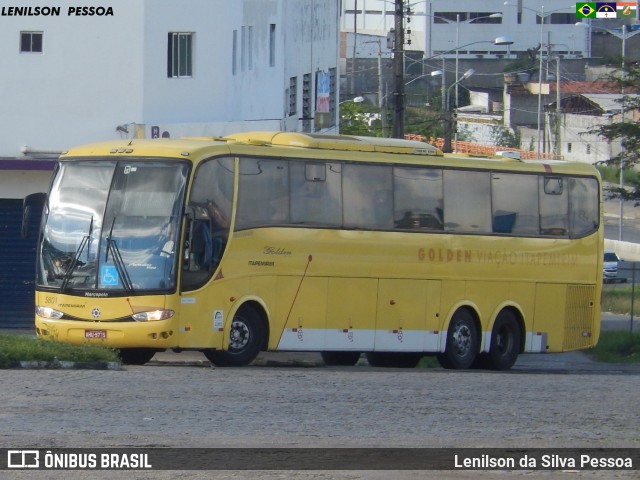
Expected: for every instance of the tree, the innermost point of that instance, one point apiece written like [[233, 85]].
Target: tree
[[355, 119], [628, 131]]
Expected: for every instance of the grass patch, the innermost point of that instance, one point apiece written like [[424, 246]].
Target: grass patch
[[617, 346], [428, 361], [16, 348], [617, 299]]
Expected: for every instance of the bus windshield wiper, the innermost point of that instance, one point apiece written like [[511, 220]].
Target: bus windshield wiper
[[112, 247], [76, 257]]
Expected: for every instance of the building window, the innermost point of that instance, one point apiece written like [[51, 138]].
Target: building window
[[588, 149], [293, 96], [557, 19], [31, 42], [568, 147], [243, 49], [272, 45], [250, 47], [180, 55], [234, 53]]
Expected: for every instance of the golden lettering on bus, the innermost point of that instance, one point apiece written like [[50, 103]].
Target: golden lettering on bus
[[444, 255], [496, 257]]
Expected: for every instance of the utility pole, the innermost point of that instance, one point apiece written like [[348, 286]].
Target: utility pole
[[398, 69]]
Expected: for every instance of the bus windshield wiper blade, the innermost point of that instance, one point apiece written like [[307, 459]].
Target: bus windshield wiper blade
[[76, 257], [117, 260]]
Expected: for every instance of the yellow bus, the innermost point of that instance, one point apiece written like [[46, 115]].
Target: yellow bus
[[344, 245]]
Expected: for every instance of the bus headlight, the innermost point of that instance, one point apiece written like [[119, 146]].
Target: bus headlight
[[48, 312], [153, 315]]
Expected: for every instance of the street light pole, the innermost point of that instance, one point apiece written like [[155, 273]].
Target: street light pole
[[542, 17], [398, 68], [448, 126]]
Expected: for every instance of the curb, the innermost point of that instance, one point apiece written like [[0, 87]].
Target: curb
[[58, 365]]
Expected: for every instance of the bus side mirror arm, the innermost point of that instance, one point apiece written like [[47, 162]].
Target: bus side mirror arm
[[34, 200]]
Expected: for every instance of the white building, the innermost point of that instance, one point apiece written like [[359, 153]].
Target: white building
[[442, 27], [162, 67]]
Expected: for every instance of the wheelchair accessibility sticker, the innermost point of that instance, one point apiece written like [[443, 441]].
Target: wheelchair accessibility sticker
[[109, 276]]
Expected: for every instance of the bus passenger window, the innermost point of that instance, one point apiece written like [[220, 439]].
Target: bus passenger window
[[554, 207], [316, 191], [367, 197], [263, 193], [418, 198], [583, 198], [514, 199], [467, 201]]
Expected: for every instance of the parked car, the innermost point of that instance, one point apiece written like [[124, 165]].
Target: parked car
[[610, 268]]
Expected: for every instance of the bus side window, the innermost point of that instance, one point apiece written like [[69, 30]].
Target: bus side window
[[583, 198], [554, 207], [514, 200], [367, 199], [418, 198]]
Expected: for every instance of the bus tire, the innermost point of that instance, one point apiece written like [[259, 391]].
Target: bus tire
[[136, 356], [340, 359], [506, 338], [393, 359], [462, 342], [246, 338]]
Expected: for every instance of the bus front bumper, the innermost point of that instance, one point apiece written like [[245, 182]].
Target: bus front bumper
[[158, 334]]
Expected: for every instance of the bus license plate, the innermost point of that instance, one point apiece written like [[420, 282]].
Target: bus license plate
[[95, 334]]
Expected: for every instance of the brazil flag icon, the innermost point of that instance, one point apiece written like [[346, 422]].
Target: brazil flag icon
[[586, 10]]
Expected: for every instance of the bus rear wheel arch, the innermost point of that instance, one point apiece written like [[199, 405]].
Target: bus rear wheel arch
[[463, 341], [247, 337]]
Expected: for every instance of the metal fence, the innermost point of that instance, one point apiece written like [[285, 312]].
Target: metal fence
[[625, 287]]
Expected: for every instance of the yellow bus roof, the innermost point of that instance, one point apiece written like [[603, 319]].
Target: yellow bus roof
[[317, 146]]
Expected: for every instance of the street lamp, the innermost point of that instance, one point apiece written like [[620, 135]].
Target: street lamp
[[358, 99], [623, 34], [543, 17], [457, 45], [471, 20], [448, 124]]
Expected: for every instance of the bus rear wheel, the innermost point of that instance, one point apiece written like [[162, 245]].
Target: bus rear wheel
[[136, 356], [506, 338], [246, 338], [393, 359], [341, 359], [462, 342]]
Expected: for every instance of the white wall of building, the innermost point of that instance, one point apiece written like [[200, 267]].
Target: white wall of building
[[98, 73], [85, 82]]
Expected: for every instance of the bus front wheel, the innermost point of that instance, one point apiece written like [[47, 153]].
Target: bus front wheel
[[462, 342], [246, 338]]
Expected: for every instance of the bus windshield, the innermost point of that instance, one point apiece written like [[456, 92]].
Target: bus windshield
[[112, 225]]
